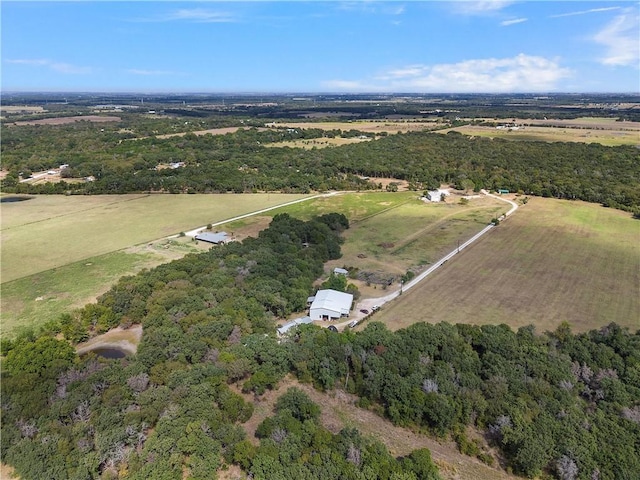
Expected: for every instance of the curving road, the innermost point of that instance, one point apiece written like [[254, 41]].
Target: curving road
[[368, 303]]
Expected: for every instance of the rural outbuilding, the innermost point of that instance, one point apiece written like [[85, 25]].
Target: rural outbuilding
[[330, 305], [437, 195], [293, 323], [215, 238], [340, 271]]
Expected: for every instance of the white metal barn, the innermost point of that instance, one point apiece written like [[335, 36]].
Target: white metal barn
[[436, 195], [330, 305]]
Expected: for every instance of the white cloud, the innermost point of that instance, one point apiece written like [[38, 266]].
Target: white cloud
[[506, 23], [584, 12], [481, 7], [522, 73], [36, 62], [60, 67], [194, 15], [621, 40]]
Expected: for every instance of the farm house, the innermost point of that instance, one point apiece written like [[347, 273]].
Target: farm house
[[330, 305]]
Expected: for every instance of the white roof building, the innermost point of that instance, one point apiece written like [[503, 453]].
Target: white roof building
[[330, 305], [436, 195], [340, 271]]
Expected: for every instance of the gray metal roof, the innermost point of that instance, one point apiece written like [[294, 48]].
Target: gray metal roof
[[293, 323], [210, 237]]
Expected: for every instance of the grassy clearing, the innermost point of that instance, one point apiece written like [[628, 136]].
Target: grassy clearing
[[608, 137], [31, 301], [52, 231], [553, 261], [317, 143]]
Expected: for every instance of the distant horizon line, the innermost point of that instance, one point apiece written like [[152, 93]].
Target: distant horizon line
[[301, 93]]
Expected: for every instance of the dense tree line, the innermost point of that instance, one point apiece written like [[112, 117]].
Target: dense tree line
[[240, 162]]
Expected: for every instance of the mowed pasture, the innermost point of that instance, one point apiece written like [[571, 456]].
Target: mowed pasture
[[51, 231], [604, 131], [552, 261], [60, 253]]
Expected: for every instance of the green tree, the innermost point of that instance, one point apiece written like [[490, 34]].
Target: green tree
[[42, 355]]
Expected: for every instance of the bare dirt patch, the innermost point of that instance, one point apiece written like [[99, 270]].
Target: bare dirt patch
[[67, 120], [7, 472], [119, 338]]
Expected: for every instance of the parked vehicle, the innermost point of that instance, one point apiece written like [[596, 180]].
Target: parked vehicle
[[364, 310], [375, 308]]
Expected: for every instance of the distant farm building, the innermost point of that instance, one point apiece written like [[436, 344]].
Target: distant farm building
[[340, 271], [214, 238], [293, 323], [436, 195], [330, 305]]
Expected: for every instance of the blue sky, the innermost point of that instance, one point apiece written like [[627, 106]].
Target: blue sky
[[329, 46]]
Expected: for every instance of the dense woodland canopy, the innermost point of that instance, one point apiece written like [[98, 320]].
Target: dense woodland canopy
[[558, 404]]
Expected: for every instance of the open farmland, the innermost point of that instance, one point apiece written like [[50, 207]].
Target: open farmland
[[367, 126], [68, 120], [61, 252], [585, 130], [50, 231], [552, 261], [391, 233]]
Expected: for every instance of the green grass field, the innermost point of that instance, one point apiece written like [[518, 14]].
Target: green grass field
[[552, 261], [60, 253], [52, 231], [554, 134]]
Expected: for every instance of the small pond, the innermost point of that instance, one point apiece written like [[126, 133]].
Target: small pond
[[108, 352], [14, 199]]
